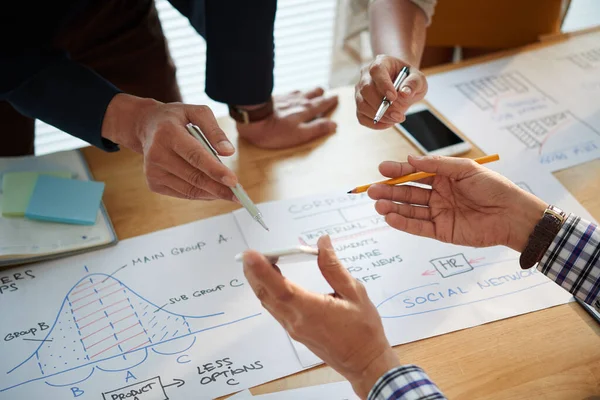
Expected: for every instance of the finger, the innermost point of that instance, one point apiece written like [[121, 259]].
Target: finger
[[318, 106], [269, 285], [398, 109], [316, 128], [167, 191], [393, 115], [316, 92], [413, 85], [393, 169], [369, 111], [203, 117], [208, 190], [188, 148], [385, 119], [401, 194], [417, 227], [362, 107], [333, 271], [368, 122], [451, 167], [384, 207], [381, 75], [177, 166], [371, 97]]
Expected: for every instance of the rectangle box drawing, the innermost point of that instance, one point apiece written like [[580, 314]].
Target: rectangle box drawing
[[451, 265], [150, 389]]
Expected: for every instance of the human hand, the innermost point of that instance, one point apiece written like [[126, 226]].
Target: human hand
[[296, 119], [467, 204], [377, 81], [342, 328], [175, 163]]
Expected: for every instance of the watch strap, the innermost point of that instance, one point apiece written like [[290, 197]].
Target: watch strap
[[248, 116], [542, 236]]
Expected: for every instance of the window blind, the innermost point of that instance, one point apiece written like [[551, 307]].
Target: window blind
[[304, 31]]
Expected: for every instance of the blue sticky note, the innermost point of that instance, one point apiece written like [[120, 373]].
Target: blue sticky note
[[68, 201]]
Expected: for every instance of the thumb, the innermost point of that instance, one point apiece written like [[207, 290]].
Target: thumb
[[451, 167], [203, 117], [332, 269]]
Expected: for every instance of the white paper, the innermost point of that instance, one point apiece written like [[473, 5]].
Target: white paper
[[187, 324], [331, 391], [20, 236], [421, 287], [541, 105]]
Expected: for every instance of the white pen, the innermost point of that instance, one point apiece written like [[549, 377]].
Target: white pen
[[238, 190], [385, 103]]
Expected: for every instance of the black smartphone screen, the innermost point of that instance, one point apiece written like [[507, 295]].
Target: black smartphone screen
[[429, 131]]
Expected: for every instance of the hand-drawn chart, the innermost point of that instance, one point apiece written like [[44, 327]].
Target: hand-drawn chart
[[536, 132], [104, 322], [513, 106], [488, 91], [547, 136], [586, 60], [139, 319]]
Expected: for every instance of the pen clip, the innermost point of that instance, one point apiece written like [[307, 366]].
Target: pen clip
[[197, 133], [404, 72]]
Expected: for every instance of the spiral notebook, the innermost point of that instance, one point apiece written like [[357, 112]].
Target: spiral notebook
[[23, 240]]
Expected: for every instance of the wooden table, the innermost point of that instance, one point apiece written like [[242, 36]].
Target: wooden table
[[550, 354]]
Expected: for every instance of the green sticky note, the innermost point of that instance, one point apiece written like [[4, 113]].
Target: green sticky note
[[17, 188]]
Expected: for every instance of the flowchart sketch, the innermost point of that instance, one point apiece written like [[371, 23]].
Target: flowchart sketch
[[486, 92], [550, 137], [512, 107], [586, 60], [537, 132], [415, 282]]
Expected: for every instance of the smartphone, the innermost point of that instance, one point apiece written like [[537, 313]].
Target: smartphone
[[426, 131]]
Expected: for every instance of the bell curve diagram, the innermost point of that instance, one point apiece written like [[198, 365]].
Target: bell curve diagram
[[100, 320]]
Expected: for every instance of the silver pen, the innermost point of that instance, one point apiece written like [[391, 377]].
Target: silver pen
[[238, 190], [385, 104]]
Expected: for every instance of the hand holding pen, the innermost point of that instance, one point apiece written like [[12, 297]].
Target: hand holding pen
[[238, 191], [376, 87]]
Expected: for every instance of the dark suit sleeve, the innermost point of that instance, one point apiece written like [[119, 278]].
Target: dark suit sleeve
[[47, 85], [240, 47]]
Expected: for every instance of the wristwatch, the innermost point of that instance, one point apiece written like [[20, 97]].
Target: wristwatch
[[540, 239], [248, 116]]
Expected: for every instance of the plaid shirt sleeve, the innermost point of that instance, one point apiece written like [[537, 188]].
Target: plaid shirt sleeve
[[407, 382], [573, 260]]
